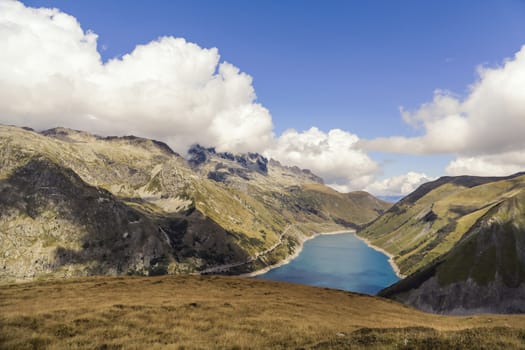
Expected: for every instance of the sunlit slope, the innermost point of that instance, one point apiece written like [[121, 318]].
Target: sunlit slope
[[428, 222], [229, 313], [484, 272]]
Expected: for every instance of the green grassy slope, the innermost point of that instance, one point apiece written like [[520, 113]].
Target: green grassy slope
[[353, 209], [484, 272], [430, 221]]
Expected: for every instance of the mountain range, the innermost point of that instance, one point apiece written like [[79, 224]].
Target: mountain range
[[75, 204]]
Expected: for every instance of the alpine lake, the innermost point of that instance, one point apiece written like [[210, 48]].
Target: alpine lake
[[340, 261]]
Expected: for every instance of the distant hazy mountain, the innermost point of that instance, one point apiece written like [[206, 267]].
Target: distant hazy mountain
[[73, 203], [391, 199], [462, 241]]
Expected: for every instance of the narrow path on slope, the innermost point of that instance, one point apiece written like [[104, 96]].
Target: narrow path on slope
[[226, 267]]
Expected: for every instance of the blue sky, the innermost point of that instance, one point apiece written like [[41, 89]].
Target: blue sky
[[333, 64], [330, 64]]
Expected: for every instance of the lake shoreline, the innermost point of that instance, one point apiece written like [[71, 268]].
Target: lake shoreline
[[381, 250], [296, 253], [299, 249]]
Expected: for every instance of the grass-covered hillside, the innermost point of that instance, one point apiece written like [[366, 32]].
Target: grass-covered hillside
[[430, 221], [461, 241], [75, 204], [203, 312], [484, 271]]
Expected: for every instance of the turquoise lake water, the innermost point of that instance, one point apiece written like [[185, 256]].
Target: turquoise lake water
[[337, 261]]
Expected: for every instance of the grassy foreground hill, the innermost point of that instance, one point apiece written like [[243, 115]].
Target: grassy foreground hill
[[202, 312]]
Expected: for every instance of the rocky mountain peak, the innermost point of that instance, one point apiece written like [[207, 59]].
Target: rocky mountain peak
[[253, 161], [199, 155]]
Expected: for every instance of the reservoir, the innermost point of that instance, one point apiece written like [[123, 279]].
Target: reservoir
[[339, 261]]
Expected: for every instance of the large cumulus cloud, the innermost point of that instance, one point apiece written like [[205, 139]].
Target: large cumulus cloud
[[485, 129], [51, 74], [332, 155], [488, 165]]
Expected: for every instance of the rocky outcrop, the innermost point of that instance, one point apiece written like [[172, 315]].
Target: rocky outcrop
[[297, 171], [53, 222], [464, 298], [199, 156]]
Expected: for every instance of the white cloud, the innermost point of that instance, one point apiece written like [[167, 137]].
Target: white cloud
[[51, 74], [398, 185], [488, 165], [482, 128], [332, 155], [489, 120], [169, 89]]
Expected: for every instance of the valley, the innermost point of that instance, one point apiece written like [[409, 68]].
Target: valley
[[76, 204], [262, 175]]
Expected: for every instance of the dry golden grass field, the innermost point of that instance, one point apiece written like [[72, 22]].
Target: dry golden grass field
[[203, 312]]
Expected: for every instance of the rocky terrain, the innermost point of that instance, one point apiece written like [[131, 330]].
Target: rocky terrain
[[461, 240], [75, 204]]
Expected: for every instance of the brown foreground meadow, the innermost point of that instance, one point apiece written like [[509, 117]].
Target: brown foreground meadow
[[202, 312]]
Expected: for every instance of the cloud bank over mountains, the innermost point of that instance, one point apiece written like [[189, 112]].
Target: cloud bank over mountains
[[169, 89], [333, 155], [51, 74], [399, 185]]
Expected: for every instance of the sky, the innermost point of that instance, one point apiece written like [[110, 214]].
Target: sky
[[374, 95]]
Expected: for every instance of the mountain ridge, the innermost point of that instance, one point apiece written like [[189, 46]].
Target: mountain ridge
[[483, 273], [460, 241]]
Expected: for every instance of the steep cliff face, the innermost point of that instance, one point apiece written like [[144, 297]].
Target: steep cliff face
[[484, 272], [74, 203]]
